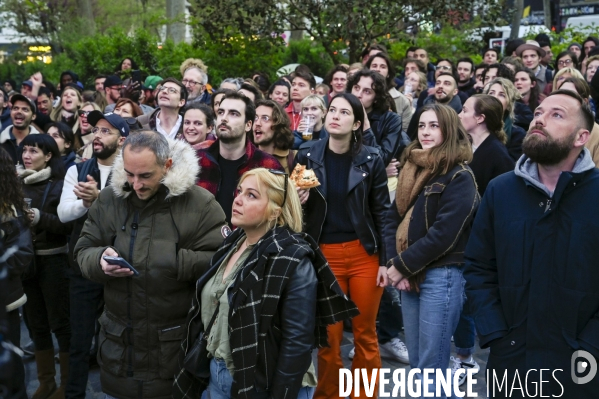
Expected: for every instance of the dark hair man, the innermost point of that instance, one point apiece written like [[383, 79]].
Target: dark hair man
[[232, 154], [99, 82], [465, 71], [167, 229], [422, 55], [82, 185], [272, 133], [22, 114], [302, 85], [171, 97], [112, 89], [531, 270]]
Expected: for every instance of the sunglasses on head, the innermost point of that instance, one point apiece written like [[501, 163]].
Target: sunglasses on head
[[281, 173]]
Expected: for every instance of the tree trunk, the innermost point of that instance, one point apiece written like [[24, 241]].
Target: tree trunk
[[516, 18], [547, 13], [87, 16], [175, 13]]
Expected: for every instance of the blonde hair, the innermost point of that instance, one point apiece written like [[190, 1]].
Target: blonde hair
[[512, 93], [314, 99], [291, 212], [195, 63], [56, 114], [422, 84], [575, 73]]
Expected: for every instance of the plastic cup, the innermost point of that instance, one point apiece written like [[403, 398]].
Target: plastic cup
[[308, 121], [27, 202]]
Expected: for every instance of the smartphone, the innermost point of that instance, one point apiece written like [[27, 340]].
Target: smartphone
[[117, 260], [136, 76]]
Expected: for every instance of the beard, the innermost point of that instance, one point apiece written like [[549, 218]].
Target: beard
[[547, 150], [443, 100], [231, 135], [107, 150]]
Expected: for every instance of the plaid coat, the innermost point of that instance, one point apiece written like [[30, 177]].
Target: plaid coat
[[210, 175], [254, 300]]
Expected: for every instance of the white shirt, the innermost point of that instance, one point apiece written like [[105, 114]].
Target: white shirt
[[70, 207], [173, 132]]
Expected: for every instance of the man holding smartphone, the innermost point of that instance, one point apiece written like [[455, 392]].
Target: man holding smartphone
[[167, 228]]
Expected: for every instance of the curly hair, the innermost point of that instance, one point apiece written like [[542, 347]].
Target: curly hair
[[10, 187], [283, 136], [195, 63], [382, 99]]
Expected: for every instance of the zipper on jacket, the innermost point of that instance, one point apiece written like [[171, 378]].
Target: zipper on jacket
[[325, 213], [548, 206], [134, 227], [364, 214]]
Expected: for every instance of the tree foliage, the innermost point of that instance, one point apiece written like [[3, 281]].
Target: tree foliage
[[334, 24]]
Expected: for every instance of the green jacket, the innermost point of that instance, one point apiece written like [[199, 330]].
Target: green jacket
[[169, 242]]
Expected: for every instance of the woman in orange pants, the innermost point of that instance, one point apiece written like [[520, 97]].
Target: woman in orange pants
[[345, 215]]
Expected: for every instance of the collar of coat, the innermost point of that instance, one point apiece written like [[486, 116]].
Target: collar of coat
[[258, 288], [178, 180], [31, 176]]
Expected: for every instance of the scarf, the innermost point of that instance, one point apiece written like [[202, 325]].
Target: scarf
[[415, 173], [30, 176]]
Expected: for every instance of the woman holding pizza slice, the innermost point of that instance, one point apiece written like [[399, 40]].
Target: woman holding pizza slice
[[345, 215]]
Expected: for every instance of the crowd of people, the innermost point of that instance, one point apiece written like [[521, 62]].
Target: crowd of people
[[152, 226]]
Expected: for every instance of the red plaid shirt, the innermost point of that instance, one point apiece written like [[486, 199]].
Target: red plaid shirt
[[210, 175]]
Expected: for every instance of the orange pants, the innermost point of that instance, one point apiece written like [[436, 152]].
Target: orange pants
[[357, 271]]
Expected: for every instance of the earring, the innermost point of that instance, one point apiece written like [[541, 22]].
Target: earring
[[355, 137]]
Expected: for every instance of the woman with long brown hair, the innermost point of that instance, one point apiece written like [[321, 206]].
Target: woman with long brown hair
[[426, 231]]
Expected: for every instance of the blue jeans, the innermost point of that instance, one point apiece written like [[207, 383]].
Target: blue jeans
[[221, 380], [464, 334], [390, 320], [431, 316]]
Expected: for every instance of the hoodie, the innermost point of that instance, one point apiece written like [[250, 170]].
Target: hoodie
[[529, 171]]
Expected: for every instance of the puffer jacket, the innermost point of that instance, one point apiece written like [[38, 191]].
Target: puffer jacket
[[16, 254], [49, 233], [367, 197], [169, 240]]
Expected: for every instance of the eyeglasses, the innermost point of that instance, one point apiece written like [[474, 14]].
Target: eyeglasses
[[564, 62], [83, 113], [191, 83], [263, 118], [115, 87], [170, 90], [280, 173], [444, 67], [102, 130]]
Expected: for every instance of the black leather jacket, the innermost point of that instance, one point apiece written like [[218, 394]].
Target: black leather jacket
[[386, 128], [367, 198], [290, 338]]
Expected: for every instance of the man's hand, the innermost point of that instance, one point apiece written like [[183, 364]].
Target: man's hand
[[87, 191], [131, 90], [381, 277], [392, 168], [37, 79], [113, 270], [303, 195]]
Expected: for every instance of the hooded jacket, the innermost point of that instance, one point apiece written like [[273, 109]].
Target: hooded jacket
[[169, 240], [531, 273], [9, 143]]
